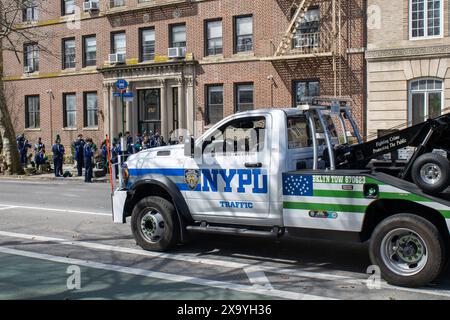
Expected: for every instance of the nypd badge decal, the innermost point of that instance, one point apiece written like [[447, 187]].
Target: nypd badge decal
[[192, 178]]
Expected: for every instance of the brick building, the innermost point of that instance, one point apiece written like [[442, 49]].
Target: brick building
[[408, 56], [226, 56]]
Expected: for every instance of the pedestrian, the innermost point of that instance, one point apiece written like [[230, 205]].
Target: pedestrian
[[39, 153], [58, 156], [115, 153], [146, 142], [88, 155], [78, 147], [20, 147], [105, 165], [24, 153], [129, 141]]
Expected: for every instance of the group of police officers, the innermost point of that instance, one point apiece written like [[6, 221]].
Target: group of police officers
[[84, 152]]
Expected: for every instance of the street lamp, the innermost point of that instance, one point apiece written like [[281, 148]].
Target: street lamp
[[51, 96]]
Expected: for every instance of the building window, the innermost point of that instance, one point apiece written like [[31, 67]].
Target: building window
[[214, 38], [70, 110], [178, 36], [116, 3], [31, 56], [90, 109], [426, 97], [214, 105], [30, 11], [425, 18], [68, 53], [304, 91], [32, 116], [307, 34], [119, 43], [67, 7], [244, 97], [147, 43], [243, 34], [89, 51]]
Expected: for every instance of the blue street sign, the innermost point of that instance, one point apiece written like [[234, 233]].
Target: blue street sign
[[128, 95], [121, 84], [117, 94]]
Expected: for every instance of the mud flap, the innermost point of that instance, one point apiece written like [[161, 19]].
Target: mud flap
[[118, 204]]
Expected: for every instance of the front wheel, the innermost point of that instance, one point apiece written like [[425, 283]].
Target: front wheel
[[408, 249], [154, 224]]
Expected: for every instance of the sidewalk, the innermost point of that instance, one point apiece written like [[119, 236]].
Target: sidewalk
[[51, 177]]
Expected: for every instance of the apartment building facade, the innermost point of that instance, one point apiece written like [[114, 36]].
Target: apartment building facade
[[225, 56], [407, 62]]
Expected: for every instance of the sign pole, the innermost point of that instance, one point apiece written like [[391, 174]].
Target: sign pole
[[123, 114]]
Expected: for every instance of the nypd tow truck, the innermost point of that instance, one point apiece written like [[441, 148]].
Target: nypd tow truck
[[302, 172]]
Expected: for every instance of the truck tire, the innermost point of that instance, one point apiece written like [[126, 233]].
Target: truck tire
[[154, 224], [408, 249], [431, 173]]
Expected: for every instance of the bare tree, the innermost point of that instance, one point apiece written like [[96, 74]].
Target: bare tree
[[12, 36]]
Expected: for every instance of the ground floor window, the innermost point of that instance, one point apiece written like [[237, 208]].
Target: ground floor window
[[305, 90], [214, 105], [425, 99], [32, 116], [70, 110], [149, 104], [90, 109]]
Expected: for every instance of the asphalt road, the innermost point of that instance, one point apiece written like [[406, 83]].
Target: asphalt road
[[53, 234]]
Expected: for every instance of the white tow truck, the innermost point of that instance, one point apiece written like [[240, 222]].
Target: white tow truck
[[276, 172]]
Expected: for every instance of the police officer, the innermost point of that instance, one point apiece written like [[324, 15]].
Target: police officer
[[23, 154], [78, 146], [58, 156], [129, 141], [20, 148], [115, 152], [39, 153], [88, 155]]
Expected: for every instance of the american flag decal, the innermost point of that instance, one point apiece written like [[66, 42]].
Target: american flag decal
[[297, 185]]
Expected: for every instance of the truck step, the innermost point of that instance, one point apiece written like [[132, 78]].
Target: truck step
[[274, 233]]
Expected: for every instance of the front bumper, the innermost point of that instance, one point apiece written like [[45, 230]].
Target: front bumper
[[118, 204]]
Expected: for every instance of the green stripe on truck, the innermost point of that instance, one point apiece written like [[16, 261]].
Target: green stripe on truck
[[324, 207]]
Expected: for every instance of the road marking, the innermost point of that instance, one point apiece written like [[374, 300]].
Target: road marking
[[222, 263], [9, 207], [166, 276], [257, 277], [55, 210]]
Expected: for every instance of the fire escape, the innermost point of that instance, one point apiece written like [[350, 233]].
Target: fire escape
[[311, 39]]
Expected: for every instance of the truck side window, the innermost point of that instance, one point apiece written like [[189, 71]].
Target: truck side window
[[240, 135], [299, 135]]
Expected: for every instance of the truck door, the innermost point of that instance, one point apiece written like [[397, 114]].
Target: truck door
[[232, 178]]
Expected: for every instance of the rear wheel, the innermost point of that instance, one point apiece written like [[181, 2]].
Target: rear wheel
[[408, 249], [154, 224], [431, 173]]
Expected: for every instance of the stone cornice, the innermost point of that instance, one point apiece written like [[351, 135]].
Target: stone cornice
[[412, 52]]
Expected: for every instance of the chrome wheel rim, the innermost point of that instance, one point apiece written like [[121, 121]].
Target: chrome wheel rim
[[404, 252], [430, 173], [152, 225]]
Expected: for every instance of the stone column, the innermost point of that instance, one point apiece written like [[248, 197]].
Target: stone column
[[112, 112], [181, 104], [163, 102], [190, 105], [128, 115], [106, 117]]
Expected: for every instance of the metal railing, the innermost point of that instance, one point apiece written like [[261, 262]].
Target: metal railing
[[306, 42]]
